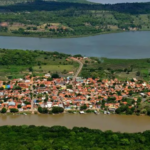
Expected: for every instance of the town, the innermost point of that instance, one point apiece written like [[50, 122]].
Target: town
[[72, 94]]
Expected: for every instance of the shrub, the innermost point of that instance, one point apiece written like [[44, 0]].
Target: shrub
[[13, 110]]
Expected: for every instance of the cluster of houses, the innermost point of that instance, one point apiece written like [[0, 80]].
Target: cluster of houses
[[47, 92]]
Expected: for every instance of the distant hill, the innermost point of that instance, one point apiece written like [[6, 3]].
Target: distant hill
[[72, 1], [69, 18], [12, 2]]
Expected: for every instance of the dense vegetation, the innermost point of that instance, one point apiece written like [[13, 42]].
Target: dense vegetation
[[60, 138], [133, 8], [67, 19], [20, 57]]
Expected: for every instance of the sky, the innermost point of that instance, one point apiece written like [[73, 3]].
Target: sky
[[117, 1]]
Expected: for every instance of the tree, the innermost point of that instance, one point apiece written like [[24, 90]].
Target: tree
[[30, 69], [40, 109], [138, 73], [16, 88], [1, 88], [57, 110], [148, 112], [83, 107], [42, 85], [125, 142], [69, 86], [13, 110], [45, 110], [19, 106], [118, 111], [21, 30], [55, 75], [49, 79], [129, 111], [4, 110]]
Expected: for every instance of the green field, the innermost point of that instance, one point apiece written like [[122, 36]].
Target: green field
[[119, 68], [18, 63], [54, 68]]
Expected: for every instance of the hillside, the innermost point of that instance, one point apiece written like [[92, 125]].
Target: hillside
[[18, 63], [12, 2], [67, 19]]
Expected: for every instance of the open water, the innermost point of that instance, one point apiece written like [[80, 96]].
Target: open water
[[116, 45]]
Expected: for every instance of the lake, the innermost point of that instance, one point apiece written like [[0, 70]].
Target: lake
[[117, 1], [115, 45], [122, 123]]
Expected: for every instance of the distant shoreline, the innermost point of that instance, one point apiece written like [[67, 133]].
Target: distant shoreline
[[66, 37], [73, 36]]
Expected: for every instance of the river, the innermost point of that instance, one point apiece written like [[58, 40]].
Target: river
[[117, 1], [122, 123], [115, 45]]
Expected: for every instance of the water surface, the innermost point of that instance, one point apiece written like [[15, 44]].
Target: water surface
[[102, 122], [116, 45]]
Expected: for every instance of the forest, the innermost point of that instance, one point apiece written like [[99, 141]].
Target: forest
[[78, 138], [40, 5], [71, 19]]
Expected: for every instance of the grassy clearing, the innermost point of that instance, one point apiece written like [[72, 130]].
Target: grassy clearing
[[120, 68], [18, 63], [54, 68], [21, 71]]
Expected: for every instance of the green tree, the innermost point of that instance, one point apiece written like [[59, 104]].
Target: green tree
[[4, 110], [13, 110], [19, 106], [55, 75], [57, 110], [83, 107]]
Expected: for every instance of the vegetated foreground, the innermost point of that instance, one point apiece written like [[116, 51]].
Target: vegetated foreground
[[61, 138], [66, 19]]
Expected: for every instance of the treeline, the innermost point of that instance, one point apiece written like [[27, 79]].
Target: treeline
[[60, 138], [25, 57], [39, 5], [11, 2]]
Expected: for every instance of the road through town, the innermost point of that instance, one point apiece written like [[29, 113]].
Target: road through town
[[78, 71]]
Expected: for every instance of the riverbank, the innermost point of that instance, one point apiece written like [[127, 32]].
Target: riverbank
[[63, 37], [66, 37]]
